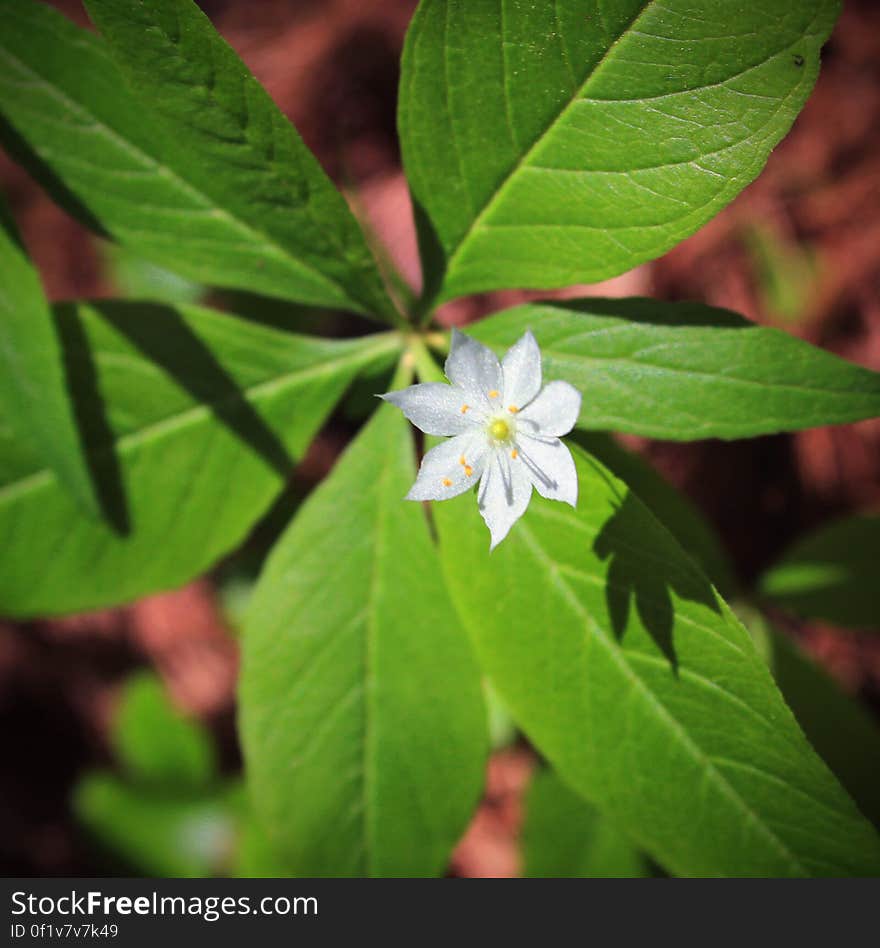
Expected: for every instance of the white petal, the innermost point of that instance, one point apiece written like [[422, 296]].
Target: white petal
[[434, 407], [475, 369], [504, 495], [521, 371], [550, 468], [443, 475], [554, 412]]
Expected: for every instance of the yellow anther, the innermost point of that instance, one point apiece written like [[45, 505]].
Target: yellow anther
[[462, 461], [494, 393], [447, 482], [512, 409], [468, 470], [514, 454], [464, 409]]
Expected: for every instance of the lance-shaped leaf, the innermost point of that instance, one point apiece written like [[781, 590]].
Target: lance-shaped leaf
[[832, 574], [33, 388], [548, 144], [193, 420], [566, 837], [362, 717], [191, 165], [837, 727], [683, 371], [635, 680]]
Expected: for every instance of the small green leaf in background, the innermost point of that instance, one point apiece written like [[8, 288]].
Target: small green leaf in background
[[33, 386], [786, 274], [831, 574], [362, 715], [157, 834], [549, 144], [155, 743], [196, 169], [565, 837], [683, 371], [631, 676], [194, 420], [168, 814]]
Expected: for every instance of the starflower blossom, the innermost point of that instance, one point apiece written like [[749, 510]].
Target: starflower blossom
[[503, 431]]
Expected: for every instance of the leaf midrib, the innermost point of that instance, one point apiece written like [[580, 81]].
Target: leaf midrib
[[198, 412], [527, 154]]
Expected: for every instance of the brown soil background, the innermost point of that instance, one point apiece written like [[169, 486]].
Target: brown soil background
[[332, 66]]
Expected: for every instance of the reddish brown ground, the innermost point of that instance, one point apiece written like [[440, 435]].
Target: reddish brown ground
[[332, 66]]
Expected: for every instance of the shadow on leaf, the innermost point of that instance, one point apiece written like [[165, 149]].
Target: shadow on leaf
[[644, 581], [163, 337], [22, 153], [90, 413]]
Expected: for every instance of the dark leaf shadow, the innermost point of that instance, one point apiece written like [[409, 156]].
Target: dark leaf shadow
[[643, 581], [638, 309], [160, 333], [90, 414], [162, 336], [21, 153]]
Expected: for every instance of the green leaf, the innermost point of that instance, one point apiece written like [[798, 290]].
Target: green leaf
[[256, 857], [362, 715], [631, 675], [196, 169], [564, 837], [548, 144], [33, 387], [136, 278], [193, 420], [158, 834], [684, 371], [667, 504], [845, 735], [156, 743], [831, 574]]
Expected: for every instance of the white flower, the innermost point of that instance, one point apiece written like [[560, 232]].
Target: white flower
[[503, 431]]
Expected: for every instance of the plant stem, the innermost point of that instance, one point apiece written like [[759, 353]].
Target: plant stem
[[403, 374], [426, 367]]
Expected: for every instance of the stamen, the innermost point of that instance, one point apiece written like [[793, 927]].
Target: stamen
[[462, 461], [447, 482], [468, 470], [494, 393], [464, 409], [513, 409], [514, 454]]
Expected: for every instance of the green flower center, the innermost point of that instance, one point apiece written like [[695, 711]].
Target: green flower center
[[500, 430]]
